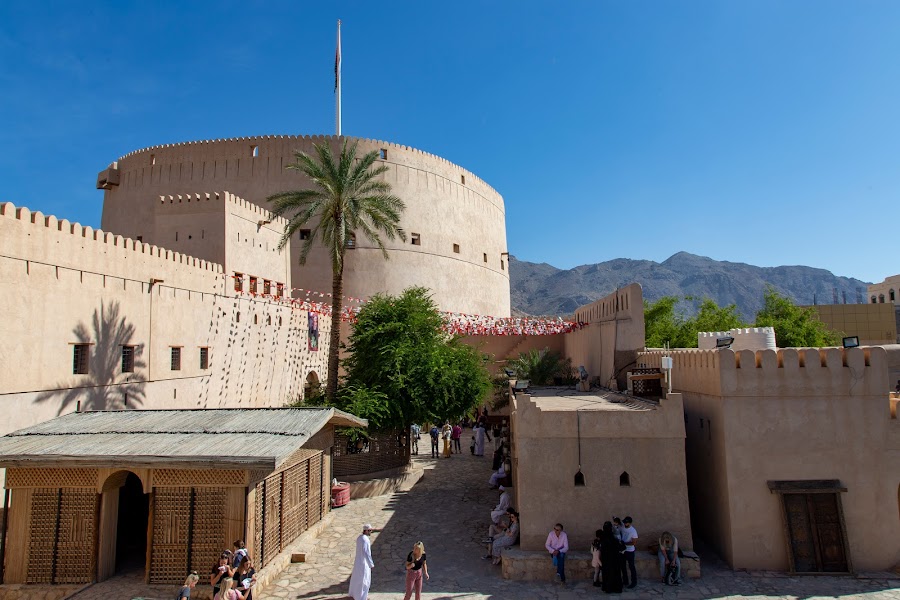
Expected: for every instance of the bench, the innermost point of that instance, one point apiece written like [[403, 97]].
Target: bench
[[535, 565]]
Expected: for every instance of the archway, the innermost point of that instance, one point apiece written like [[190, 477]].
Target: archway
[[124, 518], [312, 386]]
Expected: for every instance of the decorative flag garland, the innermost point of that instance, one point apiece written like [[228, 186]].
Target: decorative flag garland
[[454, 323]]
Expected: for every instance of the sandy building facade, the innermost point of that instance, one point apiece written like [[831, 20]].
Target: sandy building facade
[[455, 222]]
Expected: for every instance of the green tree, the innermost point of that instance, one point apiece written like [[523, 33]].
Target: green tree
[[665, 323], [542, 367], [399, 350], [795, 327], [345, 196]]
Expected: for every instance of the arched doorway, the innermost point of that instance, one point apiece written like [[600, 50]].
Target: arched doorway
[[312, 386], [124, 515]]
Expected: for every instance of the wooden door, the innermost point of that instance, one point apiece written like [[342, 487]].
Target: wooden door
[[815, 533]]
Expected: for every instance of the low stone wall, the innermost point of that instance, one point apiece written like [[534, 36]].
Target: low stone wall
[[386, 482], [522, 565], [21, 591], [273, 569]]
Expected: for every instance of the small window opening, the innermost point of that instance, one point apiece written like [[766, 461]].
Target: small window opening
[[485, 257], [176, 236], [128, 359], [502, 265], [304, 234], [891, 294], [237, 318], [415, 239], [881, 298], [382, 154], [238, 282], [190, 237], [579, 479], [279, 321], [253, 285], [267, 287], [624, 479], [279, 291], [80, 353], [462, 179], [874, 300], [254, 151], [269, 320], [152, 159], [204, 358], [176, 358], [256, 319], [456, 248]]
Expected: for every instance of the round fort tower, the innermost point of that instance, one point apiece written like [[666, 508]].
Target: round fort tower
[[455, 223]]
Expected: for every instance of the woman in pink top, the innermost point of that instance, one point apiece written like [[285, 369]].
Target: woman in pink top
[[557, 545]]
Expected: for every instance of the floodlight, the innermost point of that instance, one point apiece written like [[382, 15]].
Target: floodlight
[[521, 384], [724, 342], [510, 373], [851, 342]]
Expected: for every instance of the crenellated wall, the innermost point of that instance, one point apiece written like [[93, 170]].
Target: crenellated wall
[[459, 219], [65, 284], [745, 338], [784, 415]]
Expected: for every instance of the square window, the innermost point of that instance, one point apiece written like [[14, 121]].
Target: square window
[[279, 290], [253, 285], [80, 355], [305, 233], [456, 248], [176, 358], [204, 358], [239, 282], [267, 287], [128, 359], [416, 239], [382, 154]]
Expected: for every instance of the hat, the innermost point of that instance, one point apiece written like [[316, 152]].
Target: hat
[[501, 488], [367, 527], [626, 520]]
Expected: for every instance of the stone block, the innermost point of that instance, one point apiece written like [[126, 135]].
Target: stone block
[[525, 565]]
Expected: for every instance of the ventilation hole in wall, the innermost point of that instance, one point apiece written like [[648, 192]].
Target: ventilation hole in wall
[[624, 479], [579, 479], [269, 320], [190, 237], [485, 257], [140, 238], [256, 319], [279, 321], [456, 248], [502, 265], [254, 151], [176, 236], [305, 233], [415, 239], [237, 318]]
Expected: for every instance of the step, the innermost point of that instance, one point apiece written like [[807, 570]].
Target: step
[[536, 565]]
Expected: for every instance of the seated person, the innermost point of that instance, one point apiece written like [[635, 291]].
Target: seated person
[[498, 514], [668, 554], [509, 537], [499, 476]]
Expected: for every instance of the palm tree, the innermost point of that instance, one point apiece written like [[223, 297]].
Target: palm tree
[[346, 195]]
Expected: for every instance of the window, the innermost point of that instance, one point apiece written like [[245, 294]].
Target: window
[[254, 151], [891, 294], [252, 285], [304, 234], [176, 236], [152, 159], [881, 298], [351, 242], [256, 319], [269, 320], [267, 287], [382, 154], [279, 290], [204, 358], [462, 179], [456, 248], [625, 479], [140, 238], [485, 257], [80, 353], [128, 359], [874, 300], [176, 358], [415, 239], [502, 265], [239, 282], [237, 318]]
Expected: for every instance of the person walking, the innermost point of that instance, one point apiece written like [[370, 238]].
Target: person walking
[[414, 438], [611, 549], [361, 576], [446, 432], [435, 433], [455, 434], [629, 537], [480, 435], [558, 545], [416, 567]]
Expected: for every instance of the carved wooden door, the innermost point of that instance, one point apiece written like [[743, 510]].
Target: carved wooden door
[[815, 532]]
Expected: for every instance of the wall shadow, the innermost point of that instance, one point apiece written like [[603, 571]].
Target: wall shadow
[[105, 386]]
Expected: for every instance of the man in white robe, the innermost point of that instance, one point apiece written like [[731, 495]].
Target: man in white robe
[[361, 577]]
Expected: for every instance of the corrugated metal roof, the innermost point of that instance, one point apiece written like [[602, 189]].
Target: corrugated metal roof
[[246, 437]]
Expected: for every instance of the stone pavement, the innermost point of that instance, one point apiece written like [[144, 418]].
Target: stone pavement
[[448, 511]]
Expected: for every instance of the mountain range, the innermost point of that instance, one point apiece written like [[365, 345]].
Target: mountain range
[[542, 289]]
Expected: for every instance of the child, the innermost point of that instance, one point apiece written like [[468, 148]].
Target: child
[[595, 557], [472, 447], [239, 553]]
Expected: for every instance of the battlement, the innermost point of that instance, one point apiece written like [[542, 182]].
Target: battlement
[[748, 338], [49, 223], [782, 372], [472, 177], [221, 198], [618, 304]]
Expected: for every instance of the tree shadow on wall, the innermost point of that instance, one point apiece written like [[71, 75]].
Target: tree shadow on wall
[[105, 386]]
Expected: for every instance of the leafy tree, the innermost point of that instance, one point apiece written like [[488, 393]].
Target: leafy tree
[[346, 195], [795, 326], [398, 350], [664, 323], [541, 367]]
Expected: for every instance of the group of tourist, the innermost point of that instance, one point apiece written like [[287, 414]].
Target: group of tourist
[[361, 576], [446, 439], [231, 578]]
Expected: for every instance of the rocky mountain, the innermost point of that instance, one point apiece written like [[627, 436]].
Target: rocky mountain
[[541, 289]]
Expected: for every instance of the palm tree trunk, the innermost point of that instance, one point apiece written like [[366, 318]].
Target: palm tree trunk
[[334, 348]]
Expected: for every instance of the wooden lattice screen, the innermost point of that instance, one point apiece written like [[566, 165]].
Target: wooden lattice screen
[[287, 504], [383, 450], [63, 536], [188, 531]]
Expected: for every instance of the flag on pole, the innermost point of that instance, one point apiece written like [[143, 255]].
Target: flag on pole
[[337, 58]]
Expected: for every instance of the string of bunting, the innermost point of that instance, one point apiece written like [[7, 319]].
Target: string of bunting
[[454, 323]]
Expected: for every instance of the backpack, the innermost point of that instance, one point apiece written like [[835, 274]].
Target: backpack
[[672, 574]]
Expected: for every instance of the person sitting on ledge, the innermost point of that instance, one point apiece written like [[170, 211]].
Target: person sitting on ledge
[[499, 476], [509, 537]]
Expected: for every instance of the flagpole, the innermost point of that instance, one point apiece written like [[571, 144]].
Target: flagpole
[[337, 81]]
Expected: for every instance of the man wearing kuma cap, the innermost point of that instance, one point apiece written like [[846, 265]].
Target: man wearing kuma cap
[[361, 577]]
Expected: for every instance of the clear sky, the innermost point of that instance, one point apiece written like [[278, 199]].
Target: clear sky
[[759, 132]]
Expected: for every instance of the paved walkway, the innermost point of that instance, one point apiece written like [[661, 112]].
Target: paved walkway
[[448, 510]]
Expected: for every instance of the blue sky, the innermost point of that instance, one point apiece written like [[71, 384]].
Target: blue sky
[[758, 132]]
